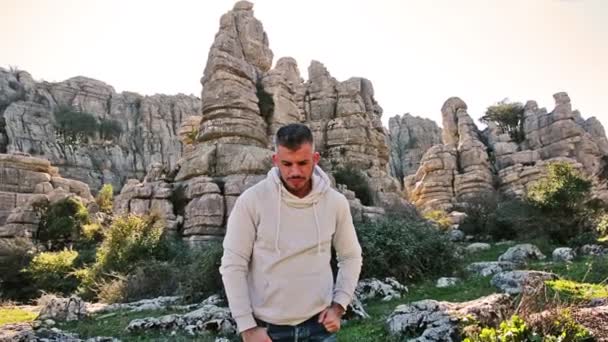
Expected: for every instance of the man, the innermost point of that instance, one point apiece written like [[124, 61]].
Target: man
[[277, 250]]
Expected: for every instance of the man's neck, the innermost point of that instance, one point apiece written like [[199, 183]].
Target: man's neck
[[302, 193]]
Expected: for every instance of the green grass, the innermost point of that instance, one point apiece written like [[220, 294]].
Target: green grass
[[587, 269], [15, 315], [115, 326]]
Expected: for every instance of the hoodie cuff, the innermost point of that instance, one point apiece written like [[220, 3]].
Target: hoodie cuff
[[343, 299], [245, 322]]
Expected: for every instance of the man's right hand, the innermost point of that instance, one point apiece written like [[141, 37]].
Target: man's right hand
[[257, 334]]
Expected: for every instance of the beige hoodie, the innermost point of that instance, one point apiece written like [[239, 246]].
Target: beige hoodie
[[277, 251]]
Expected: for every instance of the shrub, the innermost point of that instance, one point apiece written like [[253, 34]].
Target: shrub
[[61, 222], [559, 328], [105, 198], [406, 250], [109, 129], [505, 218], [602, 227], [199, 272], [509, 116], [74, 127], [564, 190], [111, 290], [440, 218], [356, 181], [191, 137], [152, 279], [130, 239], [16, 254], [52, 271]]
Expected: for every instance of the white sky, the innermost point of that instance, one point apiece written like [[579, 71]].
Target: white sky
[[416, 53]]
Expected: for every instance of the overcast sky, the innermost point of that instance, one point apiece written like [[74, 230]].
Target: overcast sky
[[416, 53]]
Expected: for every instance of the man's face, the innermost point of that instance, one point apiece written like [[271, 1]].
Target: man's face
[[296, 167]]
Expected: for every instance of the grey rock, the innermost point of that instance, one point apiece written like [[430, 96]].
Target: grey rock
[[430, 320], [487, 268], [386, 289], [522, 253], [563, 254], [514, 282], [63, 309], [476, 247], [447, 282]]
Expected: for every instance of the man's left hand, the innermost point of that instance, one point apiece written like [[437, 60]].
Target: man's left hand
[[330, 317]]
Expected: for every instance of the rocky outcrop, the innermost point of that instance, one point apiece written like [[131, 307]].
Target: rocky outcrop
[[244, 102], [27, 184], [430, 320], [454, 172], [472, 164], [63, 309], [148, 127], [515, 282], [410, 138]]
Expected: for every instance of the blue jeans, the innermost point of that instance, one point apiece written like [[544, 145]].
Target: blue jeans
[[308, 331]]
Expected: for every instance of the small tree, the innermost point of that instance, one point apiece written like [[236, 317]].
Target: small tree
[[109, 129], [564, 190], [509, 116], [105, 198], [355, 181], [74, 127], [61, 222]]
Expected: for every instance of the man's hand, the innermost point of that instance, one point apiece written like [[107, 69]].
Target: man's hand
[[257, 334], [330, 317]]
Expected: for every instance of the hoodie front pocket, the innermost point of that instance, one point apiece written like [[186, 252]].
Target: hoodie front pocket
[[299, 296]]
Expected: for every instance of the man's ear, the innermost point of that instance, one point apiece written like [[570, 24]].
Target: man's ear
[[275, 159], [316, 157]]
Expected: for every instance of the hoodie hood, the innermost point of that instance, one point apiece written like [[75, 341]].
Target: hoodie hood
[[320, 185]]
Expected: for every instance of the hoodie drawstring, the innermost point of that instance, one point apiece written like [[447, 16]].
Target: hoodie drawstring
[[276, 241], [314, 210]]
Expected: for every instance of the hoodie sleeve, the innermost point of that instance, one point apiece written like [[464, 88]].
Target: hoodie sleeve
[[238, 247], [348, 252]]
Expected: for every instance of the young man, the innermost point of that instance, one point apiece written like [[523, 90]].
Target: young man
[[277, 249]]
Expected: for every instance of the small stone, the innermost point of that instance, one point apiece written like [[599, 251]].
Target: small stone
[[447, 282]]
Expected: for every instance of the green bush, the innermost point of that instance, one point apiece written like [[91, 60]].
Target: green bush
[[130, 239], [74, 127], [16, 254], [52, 271], [109, 129], [62, 222], [509, 116], [405, 249], [564, 190], [440, 218], [506, 218], [552, 328], [199, 272], [356, 181], [105, 198]]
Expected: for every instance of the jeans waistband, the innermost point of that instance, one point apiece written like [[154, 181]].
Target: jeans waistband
[[277, 327]]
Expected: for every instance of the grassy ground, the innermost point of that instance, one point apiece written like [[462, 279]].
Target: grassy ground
[[115, 326], [588, 269], [15, 315]]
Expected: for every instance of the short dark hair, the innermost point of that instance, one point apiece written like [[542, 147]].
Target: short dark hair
[[293, 136]]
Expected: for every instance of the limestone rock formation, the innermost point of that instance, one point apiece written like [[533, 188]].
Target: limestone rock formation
[[430, 320], [25, 183], [410, 138], [148, 126], [244, 102], [471, 165], [27, 186]]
